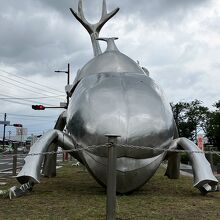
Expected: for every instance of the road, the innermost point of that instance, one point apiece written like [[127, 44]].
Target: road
[[6, 163]]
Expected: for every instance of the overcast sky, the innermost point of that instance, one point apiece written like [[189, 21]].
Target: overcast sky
[[178, 41]]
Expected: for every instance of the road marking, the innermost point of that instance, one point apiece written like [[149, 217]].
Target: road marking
[[3, 183], [5, 172]]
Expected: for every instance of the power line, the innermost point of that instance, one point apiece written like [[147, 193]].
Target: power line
[[22, 103], [28, 119], [18, 87], [32, 116], [29, 80], [23, 100], [34, 87], [42, 97], [16, 102], [26, 89], [23, 88]]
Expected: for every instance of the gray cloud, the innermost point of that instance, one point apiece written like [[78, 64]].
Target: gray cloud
[[43, 32], [178, 41], [32, 36]]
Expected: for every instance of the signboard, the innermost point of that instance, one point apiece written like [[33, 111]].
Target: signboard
[[21, 131], [63, 104], [4, 122], [200, 142]]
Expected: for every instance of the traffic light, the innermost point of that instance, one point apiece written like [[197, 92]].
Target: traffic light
[[38, 107], [18, 125]]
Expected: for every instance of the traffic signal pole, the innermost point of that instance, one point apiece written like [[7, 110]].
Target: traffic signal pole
[[42, 107], [68, 80]]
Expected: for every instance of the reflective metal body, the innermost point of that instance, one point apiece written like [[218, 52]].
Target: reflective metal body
[[112, 94]]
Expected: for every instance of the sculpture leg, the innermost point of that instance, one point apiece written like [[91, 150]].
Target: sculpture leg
[[50, 161], [32, 166], [30, 172], [173, 166], [204, 179]]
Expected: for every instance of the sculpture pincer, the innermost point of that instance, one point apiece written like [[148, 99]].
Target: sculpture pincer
[[112, 94]]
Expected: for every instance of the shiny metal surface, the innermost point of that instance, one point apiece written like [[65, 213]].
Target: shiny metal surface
[[112, 94], [127, 104], [202, 171], [50, 161], [32, 167], [130, 105], [94, 29], [131, 173], [112, 60]]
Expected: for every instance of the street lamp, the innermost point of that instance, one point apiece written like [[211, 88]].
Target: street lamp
[[68, 80]]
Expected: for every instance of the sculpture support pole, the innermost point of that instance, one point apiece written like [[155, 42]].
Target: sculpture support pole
[[111, 178]]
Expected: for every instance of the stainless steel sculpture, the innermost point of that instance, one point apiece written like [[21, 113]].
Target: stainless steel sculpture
[[112, 94]]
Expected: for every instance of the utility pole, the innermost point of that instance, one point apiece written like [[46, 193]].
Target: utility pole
[[21, 129], [3, 140], [68, 80]]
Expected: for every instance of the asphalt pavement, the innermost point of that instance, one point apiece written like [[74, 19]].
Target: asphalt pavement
[[6, 165]]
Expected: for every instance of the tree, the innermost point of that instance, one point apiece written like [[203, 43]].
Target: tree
[[197, 115], [213, 126], [190, 118], [217, 105]]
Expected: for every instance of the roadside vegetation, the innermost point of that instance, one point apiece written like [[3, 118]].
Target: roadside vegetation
[[192, 118]]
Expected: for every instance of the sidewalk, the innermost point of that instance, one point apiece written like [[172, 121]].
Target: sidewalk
[[186, 169]]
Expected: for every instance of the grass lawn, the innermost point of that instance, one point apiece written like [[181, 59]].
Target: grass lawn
[[73, 194]]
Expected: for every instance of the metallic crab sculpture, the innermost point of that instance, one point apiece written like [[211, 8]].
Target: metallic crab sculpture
[[112, 94]]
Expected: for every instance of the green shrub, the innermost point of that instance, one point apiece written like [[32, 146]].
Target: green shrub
[[184, 158]]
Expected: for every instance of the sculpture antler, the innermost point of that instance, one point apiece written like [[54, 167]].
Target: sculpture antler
[[94, 29]]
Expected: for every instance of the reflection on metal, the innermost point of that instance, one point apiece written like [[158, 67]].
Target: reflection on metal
[[204, 180], [112, 94], [49, 166], [32, 167]]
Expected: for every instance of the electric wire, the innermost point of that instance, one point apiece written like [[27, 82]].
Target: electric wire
[[15, 102], [34, 87], [26, 89], [22, 103], [42, 97], [29, 80], [18, 87], [32, 116], [29, 101], [28, 119]]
